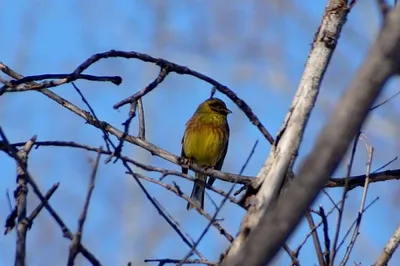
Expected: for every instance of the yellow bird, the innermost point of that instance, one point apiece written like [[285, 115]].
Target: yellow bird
[[205, 142]]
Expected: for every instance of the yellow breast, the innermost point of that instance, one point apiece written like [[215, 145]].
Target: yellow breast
[[204, 144]]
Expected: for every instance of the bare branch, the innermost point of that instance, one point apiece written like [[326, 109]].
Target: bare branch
[[175, 189], [179, 193], [76, 240], [219, 207], [275, 225], [142, 122], [327, 240], [164, 71], [182, 70], [27, 83], [284, 152], [106, 137], [359, 180], [297, 251], [341, 207], [352, 182], [20, 195], [66, 232], [314, 233], [361, 211], [354, 223], [153, 149], [385, 101], [172, 261], [175, 225], [389, 249], [37, 210], [164, 172]]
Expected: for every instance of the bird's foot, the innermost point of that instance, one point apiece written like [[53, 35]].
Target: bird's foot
[[187, 162], [206, 167]]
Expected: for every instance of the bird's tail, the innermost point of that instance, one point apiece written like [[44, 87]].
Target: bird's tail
[[197, 195]]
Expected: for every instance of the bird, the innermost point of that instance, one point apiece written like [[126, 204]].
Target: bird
[[205, 142]]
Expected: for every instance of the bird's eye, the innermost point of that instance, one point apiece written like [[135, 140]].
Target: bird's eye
[[218, 106]]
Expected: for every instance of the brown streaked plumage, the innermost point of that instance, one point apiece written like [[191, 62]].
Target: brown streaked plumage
[[205, 142]]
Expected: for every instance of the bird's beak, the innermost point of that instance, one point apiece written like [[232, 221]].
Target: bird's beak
[[228, 111]]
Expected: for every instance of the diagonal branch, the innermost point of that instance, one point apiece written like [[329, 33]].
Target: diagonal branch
[[76, 240], [275, 225], [284, 152], [153, 149], [389, 249]]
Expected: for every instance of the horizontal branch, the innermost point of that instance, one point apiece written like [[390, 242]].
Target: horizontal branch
[[174, 261], [359, 180], [353, 181], [27, 84], [164, 172], [153, 149]]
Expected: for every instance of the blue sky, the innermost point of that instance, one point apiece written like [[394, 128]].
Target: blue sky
[[257, 49]]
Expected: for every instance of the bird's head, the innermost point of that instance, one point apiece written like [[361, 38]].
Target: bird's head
[[213, 105]]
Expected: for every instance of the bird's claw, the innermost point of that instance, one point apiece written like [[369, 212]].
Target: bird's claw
[[187, 162]]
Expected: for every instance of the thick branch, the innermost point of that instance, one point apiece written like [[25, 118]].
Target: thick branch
[[359, 180], [389, 249], [284, 152], [277, 223]]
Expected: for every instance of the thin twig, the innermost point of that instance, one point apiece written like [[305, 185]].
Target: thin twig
[[353, 224], [27, 84], [10, 221], [142, 122], [172, 67], [37, 210], [302, 243], [219, 207], [385, 165], [314, 233], [341, 208], [137, 178], [135, 101], [76, 240], [327, 240], [66, 232], [175, 225], [292, 254], [330, 199], [164, 71], [356, 231], [175, 189], [106, 137]]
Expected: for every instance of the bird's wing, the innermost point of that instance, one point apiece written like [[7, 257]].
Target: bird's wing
[[220, 162], [183, 155]]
